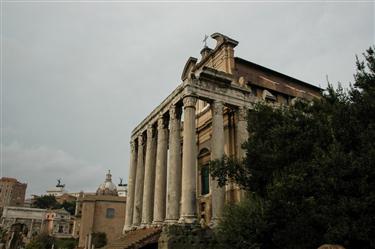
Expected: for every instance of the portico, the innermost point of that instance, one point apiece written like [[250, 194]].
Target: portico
[[206, 111]]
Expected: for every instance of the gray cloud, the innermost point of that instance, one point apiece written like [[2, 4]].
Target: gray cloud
[[78, 77], [41, 166]]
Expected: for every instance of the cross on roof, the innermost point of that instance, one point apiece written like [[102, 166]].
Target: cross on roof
[[205, 40]]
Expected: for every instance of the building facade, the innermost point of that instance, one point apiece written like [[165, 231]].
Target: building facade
[[57, 190], [33, 219], [59, 223], [12, 192], [203, 119], [102, 212]]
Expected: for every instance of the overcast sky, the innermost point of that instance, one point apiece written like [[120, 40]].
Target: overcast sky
[[78, 77]]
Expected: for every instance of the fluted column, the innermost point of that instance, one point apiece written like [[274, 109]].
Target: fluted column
[[131, 188], [138, 192], [189, 163], [148, 195], [217, 152], [161, 172], [174, 176]]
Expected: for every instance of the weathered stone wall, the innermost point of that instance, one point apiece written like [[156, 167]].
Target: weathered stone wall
[[186, 237]]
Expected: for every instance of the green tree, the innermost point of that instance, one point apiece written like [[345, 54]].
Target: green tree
[[66, 243], [309, 170], [46, 202], [69, 206], [41, 241], [50, 202]]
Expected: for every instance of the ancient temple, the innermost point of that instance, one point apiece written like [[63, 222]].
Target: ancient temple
[[204, 118]]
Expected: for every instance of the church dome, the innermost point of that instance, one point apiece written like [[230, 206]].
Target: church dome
[[107, 187]]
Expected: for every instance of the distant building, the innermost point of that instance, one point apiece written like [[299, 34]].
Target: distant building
[[102, 212], [65, 197], [32, 219], [12, 192], [59, 223], [58, 190], [122, 189], [28, 202], [61, 194]]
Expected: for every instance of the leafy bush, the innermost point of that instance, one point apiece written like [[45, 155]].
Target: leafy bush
[[310, 172]]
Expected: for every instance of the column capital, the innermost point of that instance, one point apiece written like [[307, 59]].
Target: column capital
[[161, 122], [149, 131], [189, 101], [217, 107], [140, 140], [132, 145], [174, 112]]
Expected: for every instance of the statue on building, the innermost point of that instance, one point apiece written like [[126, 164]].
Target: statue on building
[[59, 185]]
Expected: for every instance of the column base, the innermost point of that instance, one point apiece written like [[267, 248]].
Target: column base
[[126, 229], [157, 223], [171, 221], [188, 219], [145, 225]]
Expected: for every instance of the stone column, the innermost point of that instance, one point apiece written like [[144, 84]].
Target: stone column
[[189, 163], [241, 137], [217, 152], [138, 192], [148, 192], [131, 188], [30, 233], [174, 176], [86, 241], [161, 172], [90, 241]]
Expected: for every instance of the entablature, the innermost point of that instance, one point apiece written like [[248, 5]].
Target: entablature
[[207, 84]]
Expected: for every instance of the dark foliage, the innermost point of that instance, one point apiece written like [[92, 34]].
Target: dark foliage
[[46, 202], [311, 169], [50, 202], [66, 243], [69, 206], [99, 239], [41, 241]]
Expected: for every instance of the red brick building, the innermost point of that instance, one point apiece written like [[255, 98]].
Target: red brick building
[[12, 192]]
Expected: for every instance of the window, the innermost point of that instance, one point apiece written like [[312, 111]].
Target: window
[[205, 180], [110, 213], [254, 90]]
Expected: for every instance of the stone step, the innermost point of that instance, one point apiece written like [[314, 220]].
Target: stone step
[[132, 238]]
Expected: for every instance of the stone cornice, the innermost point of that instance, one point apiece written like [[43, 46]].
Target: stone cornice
[[208, 84], [161, 109]]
